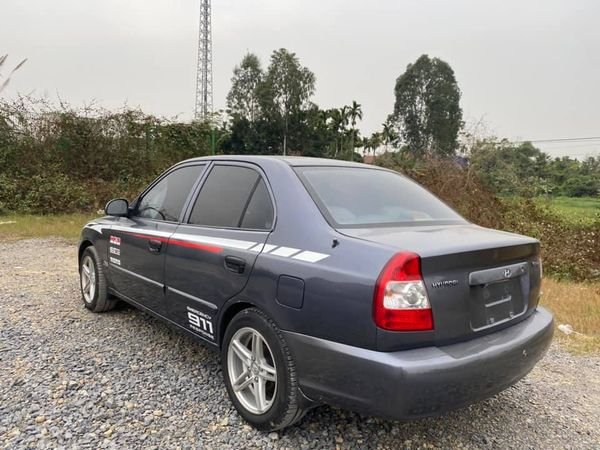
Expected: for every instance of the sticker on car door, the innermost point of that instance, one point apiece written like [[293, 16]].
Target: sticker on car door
[[200, 322]]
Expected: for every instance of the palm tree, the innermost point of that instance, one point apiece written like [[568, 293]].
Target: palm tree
[[344, 120], [354, 112], [388, 135]]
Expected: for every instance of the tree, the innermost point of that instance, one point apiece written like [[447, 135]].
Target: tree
[[373, 142], [243, 98], [286, 91], [388, 135], [427, 108], [582, 186], [355, 112]]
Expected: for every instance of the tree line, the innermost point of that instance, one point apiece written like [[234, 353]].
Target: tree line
[[271, 112], [54, 157]]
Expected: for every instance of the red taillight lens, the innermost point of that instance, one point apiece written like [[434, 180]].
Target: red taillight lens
[[401, 302]]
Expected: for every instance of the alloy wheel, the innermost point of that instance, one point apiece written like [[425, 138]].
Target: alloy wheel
[[252, 370], [88, 279]]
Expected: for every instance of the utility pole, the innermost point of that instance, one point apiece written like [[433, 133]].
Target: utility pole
[[204, 76]]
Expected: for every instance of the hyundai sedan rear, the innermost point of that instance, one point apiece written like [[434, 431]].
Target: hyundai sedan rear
[[321, 281]]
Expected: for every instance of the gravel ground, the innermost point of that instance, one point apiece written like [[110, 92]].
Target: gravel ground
[[73, 379]]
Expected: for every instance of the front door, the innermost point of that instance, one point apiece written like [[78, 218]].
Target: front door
[[210, 257], [138, 244]]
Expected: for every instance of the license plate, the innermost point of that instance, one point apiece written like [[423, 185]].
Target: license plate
[[495, 303]]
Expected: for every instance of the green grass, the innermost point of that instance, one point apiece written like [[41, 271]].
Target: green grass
[[581, 210], [23, 226]]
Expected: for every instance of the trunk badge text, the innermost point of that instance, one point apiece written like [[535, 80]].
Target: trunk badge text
[[507, 273], [444, 283]]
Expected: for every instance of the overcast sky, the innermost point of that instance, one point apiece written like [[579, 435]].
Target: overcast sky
[[529, 69]]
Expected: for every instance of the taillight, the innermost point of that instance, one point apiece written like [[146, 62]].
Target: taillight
[[401, 302]]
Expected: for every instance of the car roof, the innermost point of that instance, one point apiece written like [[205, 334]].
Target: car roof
[[289, 160]]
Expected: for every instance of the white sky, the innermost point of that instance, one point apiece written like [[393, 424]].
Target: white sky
[[529, 69]]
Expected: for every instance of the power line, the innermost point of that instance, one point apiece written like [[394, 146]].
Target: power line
[[548, 141]]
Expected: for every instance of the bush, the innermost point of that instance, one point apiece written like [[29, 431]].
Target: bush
[[64, 160], [581, 186]]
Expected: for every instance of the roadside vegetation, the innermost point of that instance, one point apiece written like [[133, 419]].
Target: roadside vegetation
[[60, 164], [582, 210], [23, 226], [574, 305]]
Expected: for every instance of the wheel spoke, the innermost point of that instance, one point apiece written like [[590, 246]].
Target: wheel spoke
[[260, 394], [242, 381], [268, 372], [257, 347], [241, 351]]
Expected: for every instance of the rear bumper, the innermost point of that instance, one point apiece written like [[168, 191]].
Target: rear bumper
[[419, 382]]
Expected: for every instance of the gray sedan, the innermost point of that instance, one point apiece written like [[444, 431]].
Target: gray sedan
[[322, 281]]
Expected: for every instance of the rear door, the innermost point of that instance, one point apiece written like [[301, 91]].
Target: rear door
[[138, 244], [210, 258]]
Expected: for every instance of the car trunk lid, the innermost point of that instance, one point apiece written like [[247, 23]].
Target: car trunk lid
[[477, 279]]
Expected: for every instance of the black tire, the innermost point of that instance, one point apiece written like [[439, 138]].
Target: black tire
[[285, 408], [101, 300]]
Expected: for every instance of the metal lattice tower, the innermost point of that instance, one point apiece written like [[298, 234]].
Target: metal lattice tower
[[204, 77]]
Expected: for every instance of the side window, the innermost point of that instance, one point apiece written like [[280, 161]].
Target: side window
[[259, 213], [226, 200], [165, 200]]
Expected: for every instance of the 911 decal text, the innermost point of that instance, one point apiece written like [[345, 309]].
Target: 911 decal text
[[200, 322]]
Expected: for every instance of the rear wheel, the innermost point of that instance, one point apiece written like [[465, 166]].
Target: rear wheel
[[259, 372], [94, 288]]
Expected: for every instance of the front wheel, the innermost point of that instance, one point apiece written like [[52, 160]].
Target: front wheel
[[94, 287], [259, 372]]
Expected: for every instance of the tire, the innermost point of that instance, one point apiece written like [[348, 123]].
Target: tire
[[281, 390], [95, 295]]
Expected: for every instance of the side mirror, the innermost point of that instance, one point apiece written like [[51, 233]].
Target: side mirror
[[118, 207]]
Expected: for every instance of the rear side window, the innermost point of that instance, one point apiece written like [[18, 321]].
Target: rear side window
[[166, 198], [357, 197], [259, 213], [233, 197]]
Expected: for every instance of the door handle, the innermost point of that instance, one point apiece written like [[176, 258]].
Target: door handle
[[235, 264], [154, 246]]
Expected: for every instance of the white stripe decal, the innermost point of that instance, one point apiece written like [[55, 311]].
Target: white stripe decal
[[312, 257], [96, 227], [142, 231], [285, 251], [257, 248]]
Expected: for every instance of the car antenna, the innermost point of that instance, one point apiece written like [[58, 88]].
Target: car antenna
[[335, 243]]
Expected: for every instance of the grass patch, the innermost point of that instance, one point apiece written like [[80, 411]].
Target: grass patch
[[578, 305], [23, 226], [574, 210]]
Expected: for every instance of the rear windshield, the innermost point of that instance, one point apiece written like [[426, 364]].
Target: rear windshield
[[356, 197]]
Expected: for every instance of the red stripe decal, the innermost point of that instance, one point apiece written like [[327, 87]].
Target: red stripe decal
[[179, 242], [196, 246]]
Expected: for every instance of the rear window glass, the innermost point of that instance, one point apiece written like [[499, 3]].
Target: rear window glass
[[355, 197]]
